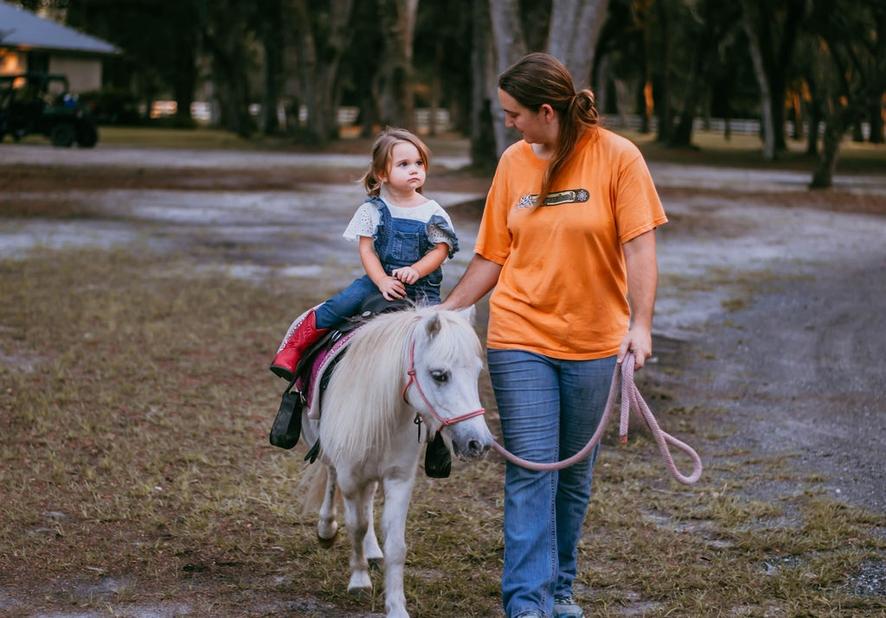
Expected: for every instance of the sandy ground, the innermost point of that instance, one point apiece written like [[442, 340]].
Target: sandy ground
[[774, 310]]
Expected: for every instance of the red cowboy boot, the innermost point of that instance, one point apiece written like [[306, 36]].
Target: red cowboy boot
[[303, 337]]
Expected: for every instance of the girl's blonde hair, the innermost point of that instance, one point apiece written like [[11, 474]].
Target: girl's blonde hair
[[538, 79], [381, 157]]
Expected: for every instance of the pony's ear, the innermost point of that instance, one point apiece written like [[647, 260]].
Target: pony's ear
[[468, 313], [432, 326]]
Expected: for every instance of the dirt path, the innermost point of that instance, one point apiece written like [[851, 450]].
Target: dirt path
[[800, 372], [786, 307]]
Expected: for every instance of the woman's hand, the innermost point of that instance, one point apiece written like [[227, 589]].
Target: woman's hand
[[391, 289], [407, 274], [639, 342]]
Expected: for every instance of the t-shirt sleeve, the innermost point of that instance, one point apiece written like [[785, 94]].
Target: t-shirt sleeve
[[363, 223], [638, 208], [441, 230], [494, 237]]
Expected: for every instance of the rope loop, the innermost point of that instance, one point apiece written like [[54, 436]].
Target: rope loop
[[630, 399]]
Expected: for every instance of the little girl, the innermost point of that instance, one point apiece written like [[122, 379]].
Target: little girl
[[404, 238]]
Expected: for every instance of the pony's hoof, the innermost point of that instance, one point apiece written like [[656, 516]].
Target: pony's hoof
[[360, 583], [327, 542]]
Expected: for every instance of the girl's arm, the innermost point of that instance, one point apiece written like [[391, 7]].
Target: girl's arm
[[425, 266], [389, 287]]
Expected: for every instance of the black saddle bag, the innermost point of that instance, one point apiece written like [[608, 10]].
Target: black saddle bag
[[438, 460], [287, 424]]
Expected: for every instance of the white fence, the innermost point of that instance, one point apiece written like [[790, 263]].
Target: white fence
[[205, 112]]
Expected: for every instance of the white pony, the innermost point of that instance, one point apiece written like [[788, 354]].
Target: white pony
[[423, 362]]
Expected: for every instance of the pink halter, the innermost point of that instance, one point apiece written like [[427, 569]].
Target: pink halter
[[444, 422]]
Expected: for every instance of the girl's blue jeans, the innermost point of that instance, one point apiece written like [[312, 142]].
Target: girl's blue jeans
[[549, 410], [347, 302]]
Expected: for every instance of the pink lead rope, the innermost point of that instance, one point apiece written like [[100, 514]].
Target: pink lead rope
[[630, 397]]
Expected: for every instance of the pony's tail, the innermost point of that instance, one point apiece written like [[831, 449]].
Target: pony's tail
[[311, 487]]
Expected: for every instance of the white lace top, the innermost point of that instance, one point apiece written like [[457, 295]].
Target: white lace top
[[367, 218]]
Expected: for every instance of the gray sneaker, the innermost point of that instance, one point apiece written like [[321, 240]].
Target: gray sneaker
[[566, 607]]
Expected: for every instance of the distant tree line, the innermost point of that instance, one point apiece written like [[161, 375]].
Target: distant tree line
[[820, 64]]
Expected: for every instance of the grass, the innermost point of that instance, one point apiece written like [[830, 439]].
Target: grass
[[136, 470], [709, 148], [745, 151]]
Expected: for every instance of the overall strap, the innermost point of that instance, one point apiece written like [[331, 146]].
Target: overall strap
[[383, 231]]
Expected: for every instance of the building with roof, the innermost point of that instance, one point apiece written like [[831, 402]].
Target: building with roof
[[30, 43]]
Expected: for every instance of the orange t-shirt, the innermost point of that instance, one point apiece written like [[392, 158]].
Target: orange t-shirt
[[562, 291]]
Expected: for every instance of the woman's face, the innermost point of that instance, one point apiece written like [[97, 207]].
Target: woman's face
[[536, 127]]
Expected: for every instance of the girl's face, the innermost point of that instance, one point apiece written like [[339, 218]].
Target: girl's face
[[406, 170], [537, 127]]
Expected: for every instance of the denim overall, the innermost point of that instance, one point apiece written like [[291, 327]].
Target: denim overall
[[398, 243]]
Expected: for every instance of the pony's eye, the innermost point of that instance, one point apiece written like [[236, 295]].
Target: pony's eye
[[440, 377]]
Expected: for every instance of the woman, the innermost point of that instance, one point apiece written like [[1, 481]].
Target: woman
[[567, 240]]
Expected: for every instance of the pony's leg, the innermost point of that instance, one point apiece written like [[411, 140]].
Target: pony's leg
[[370, 541], [397, 494], [357, 524], [327, 527]]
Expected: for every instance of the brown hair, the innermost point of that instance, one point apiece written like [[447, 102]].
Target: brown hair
[[538, 79], [381, 156]]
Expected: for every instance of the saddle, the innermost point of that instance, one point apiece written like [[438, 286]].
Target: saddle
[[314, 370], [312, 375]]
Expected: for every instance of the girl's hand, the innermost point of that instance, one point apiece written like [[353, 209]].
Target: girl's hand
[[407, 274], [391, 289]]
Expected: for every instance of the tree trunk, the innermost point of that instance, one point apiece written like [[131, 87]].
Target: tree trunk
[[435, 86], [225, 37], [762, 82], [833, 132], [682, 135], [482, 132], [622, 101], [573, 33], [661, 85], [601, 85], [814, 114], [394, 81], [319, 63], [875, 117], [185, 81], [509, 45], [797, 115], [272, 43]]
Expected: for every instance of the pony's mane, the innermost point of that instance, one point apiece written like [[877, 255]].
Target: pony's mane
[[363, 401]]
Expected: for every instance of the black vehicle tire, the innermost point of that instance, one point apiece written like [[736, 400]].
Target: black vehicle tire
[[63, 135], [87, 135]]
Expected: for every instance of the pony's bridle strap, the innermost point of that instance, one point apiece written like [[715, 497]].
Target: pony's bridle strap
[[444, 422]]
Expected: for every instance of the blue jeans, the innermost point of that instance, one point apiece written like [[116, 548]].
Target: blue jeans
[[347, 303], [549, 410]]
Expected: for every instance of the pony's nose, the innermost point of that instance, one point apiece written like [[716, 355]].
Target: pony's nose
[[476, 448]]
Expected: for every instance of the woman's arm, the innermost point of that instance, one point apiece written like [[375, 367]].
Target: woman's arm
[[642, 271], [480, 277], [389, 287]]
